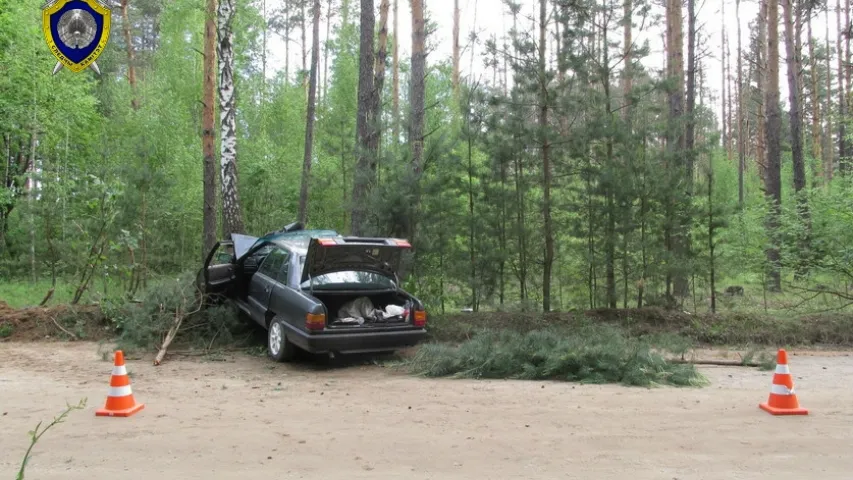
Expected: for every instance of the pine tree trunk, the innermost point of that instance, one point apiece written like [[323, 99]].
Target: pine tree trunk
[[304, 47], [327, 43], [773, 181], [416, 132], [309, 121], [844, 166], [725, 127], [456, 46], [741, 140], [546, 160], [829, 151], [208, 130], [817, 138], [797, 135], [364, 123], [131, 68], [379, 78], [761, 76], [628, 46], [677, 142], [232, 217], [395, 73]]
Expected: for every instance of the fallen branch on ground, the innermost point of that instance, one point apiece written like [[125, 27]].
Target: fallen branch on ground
[[717, 363], [62, 328]]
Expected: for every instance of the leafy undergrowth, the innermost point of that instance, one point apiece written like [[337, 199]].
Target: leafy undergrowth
[[143, 324], [592, 354], [834, 329]]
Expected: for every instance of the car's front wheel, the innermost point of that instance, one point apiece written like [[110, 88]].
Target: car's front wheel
[[279, 347]]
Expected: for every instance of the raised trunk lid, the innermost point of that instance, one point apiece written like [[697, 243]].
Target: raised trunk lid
[[378, 255]]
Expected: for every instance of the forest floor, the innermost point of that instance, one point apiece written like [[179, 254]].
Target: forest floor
[[244, 416]]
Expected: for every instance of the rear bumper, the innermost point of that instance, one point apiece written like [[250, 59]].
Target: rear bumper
[[362, 342]]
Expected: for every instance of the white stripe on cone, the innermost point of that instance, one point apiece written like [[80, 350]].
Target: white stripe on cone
[[781, 390], [123, 391], [120, 370], [782, 369]]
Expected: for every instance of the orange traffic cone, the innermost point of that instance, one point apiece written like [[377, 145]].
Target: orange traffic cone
[[783, 400], [120, 402]]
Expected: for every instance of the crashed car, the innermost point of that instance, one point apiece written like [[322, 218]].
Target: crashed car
[[317, 290]]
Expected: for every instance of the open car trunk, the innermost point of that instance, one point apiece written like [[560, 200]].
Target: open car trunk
[[357, 310]]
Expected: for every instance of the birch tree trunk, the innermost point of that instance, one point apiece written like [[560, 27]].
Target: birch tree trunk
[[232, 217], [309, 121], [208, 130]]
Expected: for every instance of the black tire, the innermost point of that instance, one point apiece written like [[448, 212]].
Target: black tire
[[279, 347]]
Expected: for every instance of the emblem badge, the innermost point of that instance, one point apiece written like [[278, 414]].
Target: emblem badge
[[76, 31]]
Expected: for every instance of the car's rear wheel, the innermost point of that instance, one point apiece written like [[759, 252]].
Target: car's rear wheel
[[279, 347]]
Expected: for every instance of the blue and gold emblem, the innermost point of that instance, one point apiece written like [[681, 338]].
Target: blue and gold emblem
[[76, 31]]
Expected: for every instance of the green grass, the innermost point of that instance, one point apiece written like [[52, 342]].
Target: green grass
[[593, 354], [24, 293]]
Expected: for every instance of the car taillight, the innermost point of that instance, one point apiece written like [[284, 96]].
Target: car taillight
[[326, 242], [315, 321], [402, 243], [420, 318]]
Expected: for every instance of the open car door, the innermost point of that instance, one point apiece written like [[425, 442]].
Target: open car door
[[220, 265]]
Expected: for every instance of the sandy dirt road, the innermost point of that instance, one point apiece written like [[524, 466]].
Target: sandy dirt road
[[249, 418]]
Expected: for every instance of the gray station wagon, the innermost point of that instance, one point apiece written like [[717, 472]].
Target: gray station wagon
[[317, 290]]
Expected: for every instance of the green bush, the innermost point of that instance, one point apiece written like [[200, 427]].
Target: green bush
[[143, 324], [589, 354]]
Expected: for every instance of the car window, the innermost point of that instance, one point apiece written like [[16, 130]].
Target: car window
[[273, 263], [349, 279], [285, 269]]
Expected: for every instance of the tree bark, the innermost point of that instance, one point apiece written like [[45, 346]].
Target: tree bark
[[208, 131], [326, 50], [796, 134], [725, 127], [128, 40], [829, 153], [817, 138], [546, 160], [844, 166], [628, 47], [456, 46], [232, 217], [395, 73], [761, 75], [364, 123], [677, 142], [309, 120], [741, 140], [379, 79], [418, 98], [773, 181]]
